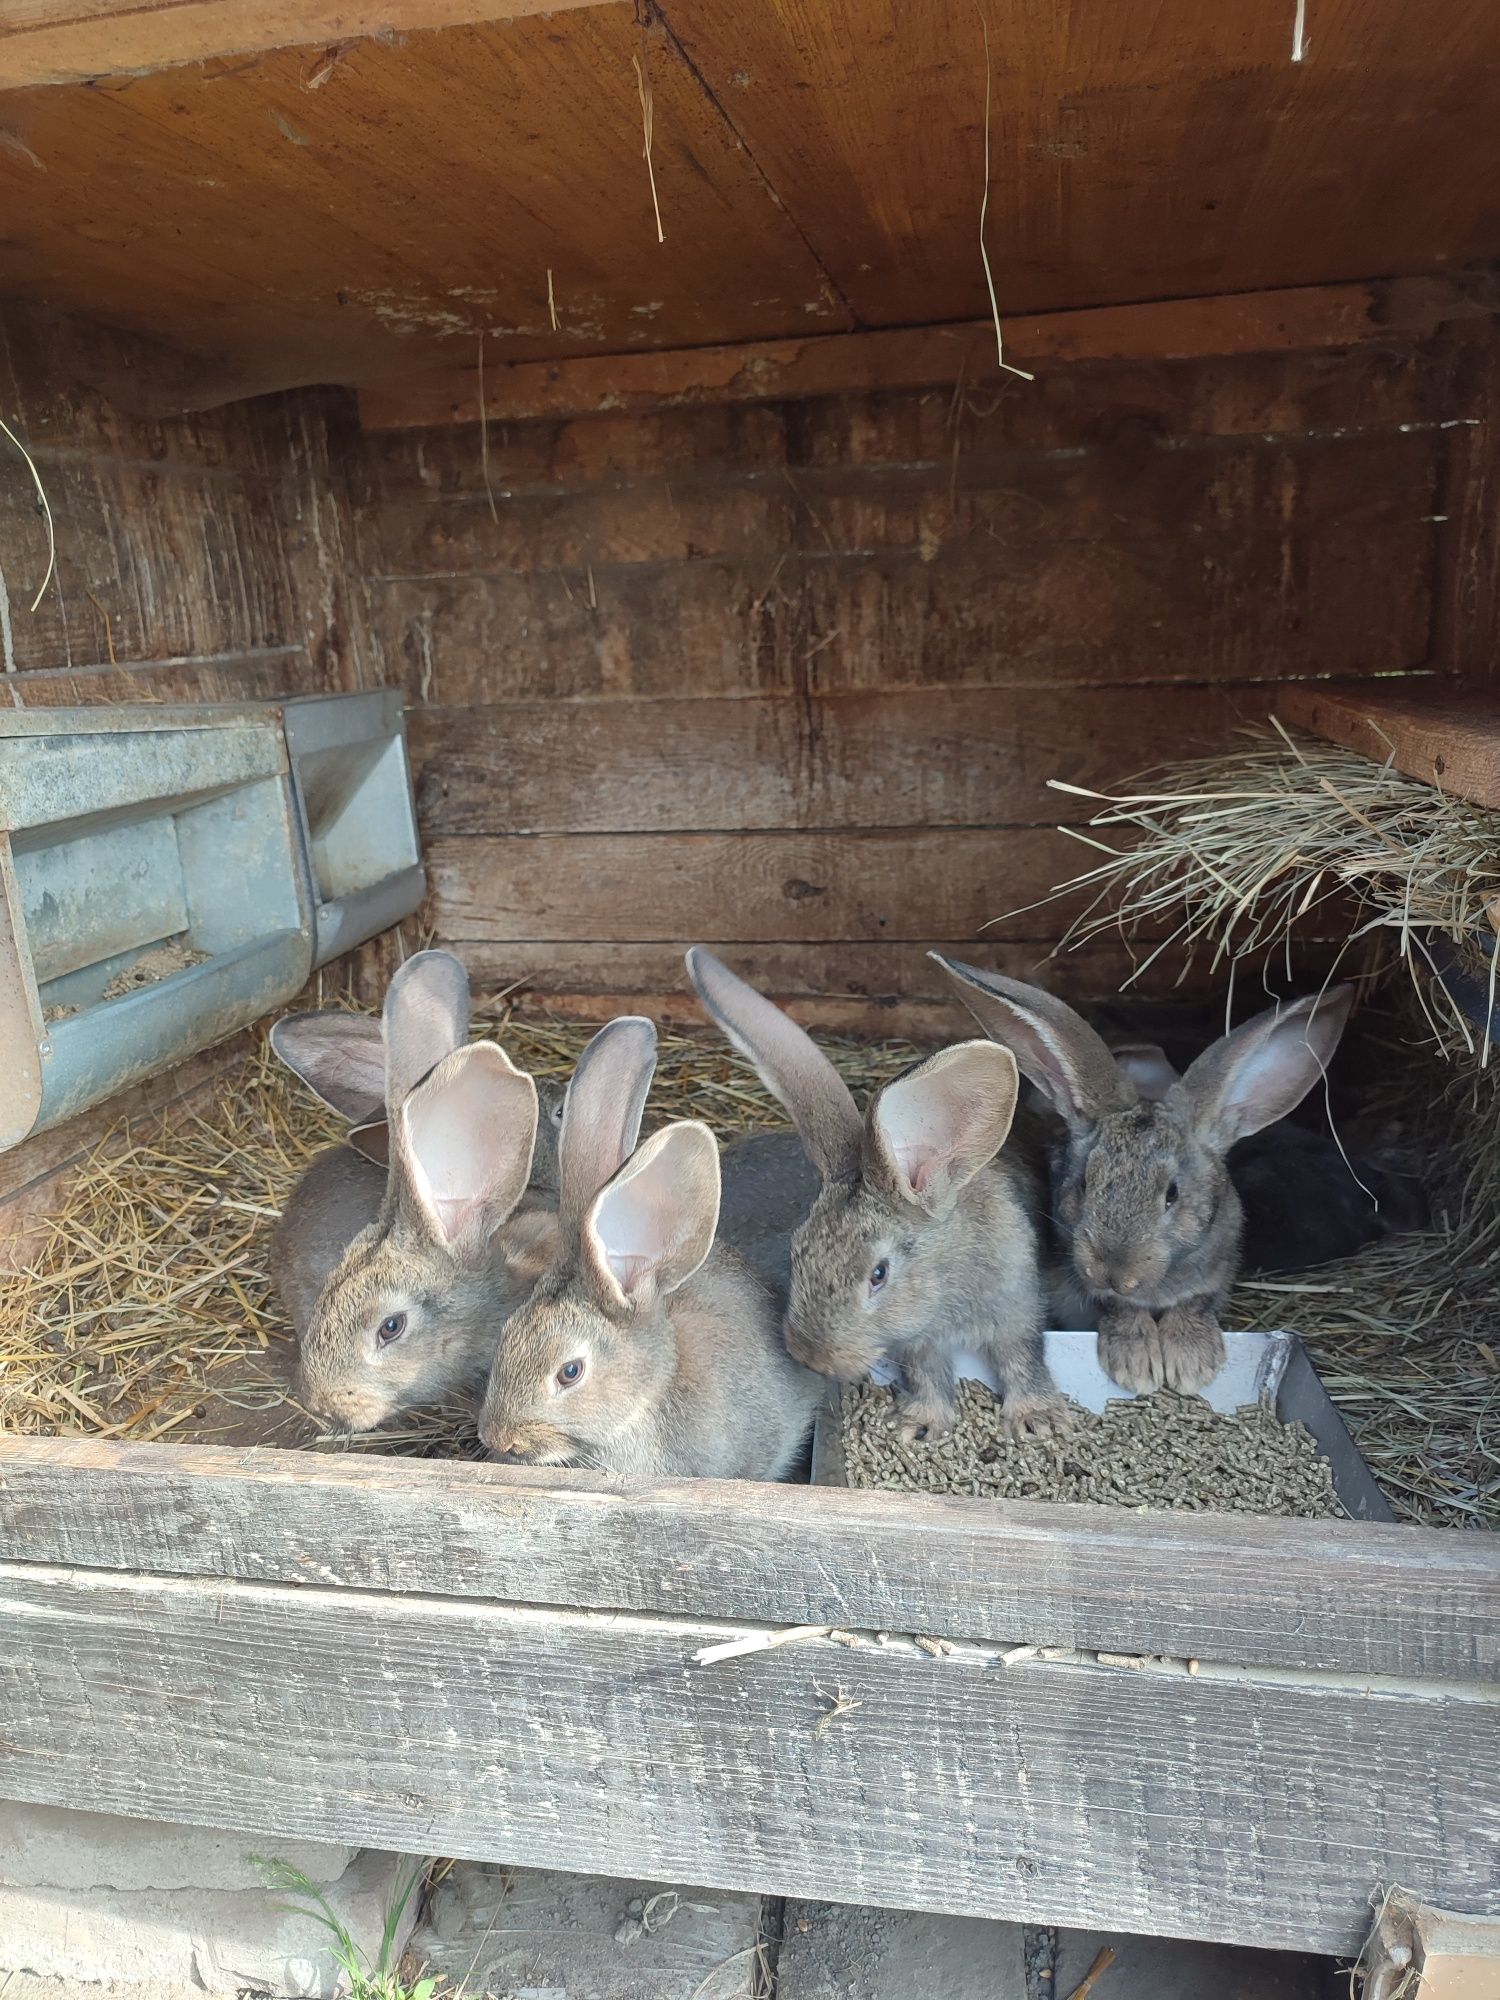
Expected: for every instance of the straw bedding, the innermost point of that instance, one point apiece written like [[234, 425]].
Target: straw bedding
[[148, 1312]]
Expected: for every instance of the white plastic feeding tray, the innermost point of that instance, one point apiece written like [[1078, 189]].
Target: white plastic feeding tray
[[168, 831]]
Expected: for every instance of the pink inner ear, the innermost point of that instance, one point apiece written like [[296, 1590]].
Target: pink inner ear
[[628, 1270], [918, 1165], [452, 1212]]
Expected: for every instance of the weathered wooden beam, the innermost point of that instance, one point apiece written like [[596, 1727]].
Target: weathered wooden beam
[[75, 41], [1228, 1804], [1297, 319], [1291, 1594], [1451, 741]]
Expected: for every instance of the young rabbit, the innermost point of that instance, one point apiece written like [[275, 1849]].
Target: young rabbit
[[646, 1348], [1149, 1218], [413, 1310], [917, 1247], [357, 1065]]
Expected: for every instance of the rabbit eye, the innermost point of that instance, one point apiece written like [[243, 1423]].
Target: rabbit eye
[[390, 1329], [570, 1375], [879, 1275], [1171, 1194]]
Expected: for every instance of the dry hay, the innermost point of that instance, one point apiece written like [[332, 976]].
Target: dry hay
[[1404, 1336], [1238, 855], [1234, 857], [148, 1311]]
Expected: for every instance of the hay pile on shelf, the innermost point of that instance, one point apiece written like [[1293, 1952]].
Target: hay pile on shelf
[[1237, 855], [1234, 857], [148, 1313]]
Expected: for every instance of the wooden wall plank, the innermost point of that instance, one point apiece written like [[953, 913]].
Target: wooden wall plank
[[1012, 504], [942, 758], [1275, 1808], [1173, 329], [228, 677], [627, 887], [77, 41], [847, 988], [1314, 601], [1126, 409], [1307, 1594]]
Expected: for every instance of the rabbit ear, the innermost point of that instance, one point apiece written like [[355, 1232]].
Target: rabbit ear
[[789, 1063], [1261, 1072], [1147, 1067], [426, 1018], [601, 1114], [932, 1130], [373, 1141], [461, 1148], [652, 1226], [339, 1056], [1057, 1049]]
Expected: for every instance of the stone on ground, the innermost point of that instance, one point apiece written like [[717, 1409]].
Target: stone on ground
[[537, 1934]]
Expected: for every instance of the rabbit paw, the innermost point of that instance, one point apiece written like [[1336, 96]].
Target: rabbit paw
[[1130, 1348], [923, 1423], [1192, 1347], [1037, 1416]]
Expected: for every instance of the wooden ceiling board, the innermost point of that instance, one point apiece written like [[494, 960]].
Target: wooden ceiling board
[[374, 224], [357, 212], [1139, 149], [62, 41]]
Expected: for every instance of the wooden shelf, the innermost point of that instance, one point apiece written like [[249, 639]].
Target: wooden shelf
[[1448, 740]]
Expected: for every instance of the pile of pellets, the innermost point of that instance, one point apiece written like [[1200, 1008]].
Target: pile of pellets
[[1164, 1450]]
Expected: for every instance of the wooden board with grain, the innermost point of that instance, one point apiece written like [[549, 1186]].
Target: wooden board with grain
[[390, 205], [1300, 320], [951, 757], [627, 887], [1451, 741], [1244, 1803], [376, 200], [1118, 146], [1310, 1594], [865, 987], [82, 41]]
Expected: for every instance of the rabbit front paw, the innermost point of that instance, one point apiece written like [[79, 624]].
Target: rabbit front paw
[[1192, 1346], [924, 1422], [1130, 1348], [1037, 1416]]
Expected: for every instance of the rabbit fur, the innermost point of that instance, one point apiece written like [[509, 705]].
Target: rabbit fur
[[1147, 1215], [920, 1245], [391, 1305], [646, 1348]]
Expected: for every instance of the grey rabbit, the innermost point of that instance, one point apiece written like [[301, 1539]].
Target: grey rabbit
[[646, 1348], [355, 1369], [1149, 1219], [920, 1245], [356, 1064]]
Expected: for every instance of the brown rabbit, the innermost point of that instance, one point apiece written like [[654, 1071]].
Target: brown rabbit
[[917, 1248], [646, 1348], [1147, 1214]]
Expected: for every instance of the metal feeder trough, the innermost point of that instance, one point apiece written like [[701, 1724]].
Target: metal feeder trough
[[356, 817], [123, 831]]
